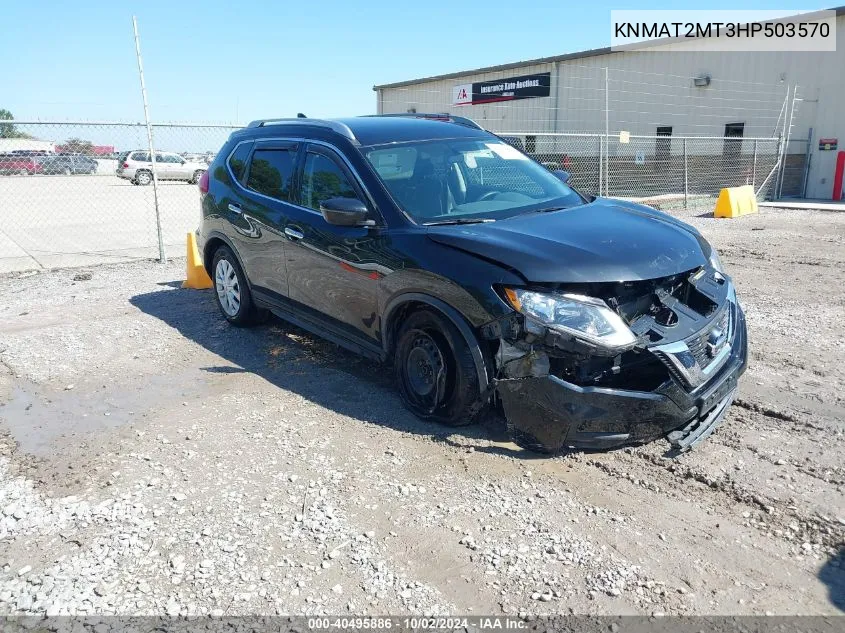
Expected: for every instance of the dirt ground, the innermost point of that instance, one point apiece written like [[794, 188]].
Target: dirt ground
[[156, 460]]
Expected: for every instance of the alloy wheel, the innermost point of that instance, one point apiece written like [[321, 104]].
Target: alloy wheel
[[228, 288]]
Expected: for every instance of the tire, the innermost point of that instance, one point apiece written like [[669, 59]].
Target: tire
[[435, 370], [197, 175], [231, 290], [143, 178], [66, 171], [23, 172]]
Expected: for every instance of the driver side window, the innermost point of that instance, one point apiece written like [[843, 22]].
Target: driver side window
[[323, 178]]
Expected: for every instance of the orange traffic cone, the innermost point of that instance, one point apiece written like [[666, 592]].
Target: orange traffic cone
[[197, 276]]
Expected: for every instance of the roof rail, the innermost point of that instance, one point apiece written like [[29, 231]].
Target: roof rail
[[336, 126], [439, 116]]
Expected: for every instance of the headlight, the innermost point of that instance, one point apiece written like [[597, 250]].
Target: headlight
[[584, 317], [715, 260]]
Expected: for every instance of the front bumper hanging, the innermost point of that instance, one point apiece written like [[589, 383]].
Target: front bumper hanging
[[559, 414]]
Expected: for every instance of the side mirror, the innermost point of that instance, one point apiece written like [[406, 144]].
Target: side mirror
[[562, 174], [346, 212]]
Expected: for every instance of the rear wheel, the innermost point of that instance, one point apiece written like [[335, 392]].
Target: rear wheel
[[436, 371], [232, 290], [197, 175], [143, 178]]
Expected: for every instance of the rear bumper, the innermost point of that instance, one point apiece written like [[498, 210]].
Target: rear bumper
[[561, 414]]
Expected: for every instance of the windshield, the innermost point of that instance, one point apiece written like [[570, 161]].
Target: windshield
[[460, 180]]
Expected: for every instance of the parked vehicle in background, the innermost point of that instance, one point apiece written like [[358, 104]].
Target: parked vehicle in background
[[195, 158], [67, 164], [481, 275], [138, 167], [20, 164]]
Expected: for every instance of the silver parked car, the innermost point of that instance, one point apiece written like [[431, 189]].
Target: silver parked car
[[138, 167]]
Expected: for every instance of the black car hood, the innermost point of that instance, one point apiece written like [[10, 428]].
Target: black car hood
[[605, 240]]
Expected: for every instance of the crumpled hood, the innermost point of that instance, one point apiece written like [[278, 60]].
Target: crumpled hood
[[606, 240]]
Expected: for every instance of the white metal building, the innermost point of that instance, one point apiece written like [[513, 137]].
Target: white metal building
[[663, 87]]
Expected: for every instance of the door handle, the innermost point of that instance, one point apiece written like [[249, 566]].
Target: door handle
[[235, 209], [293, 233]]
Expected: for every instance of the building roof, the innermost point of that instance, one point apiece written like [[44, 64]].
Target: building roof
[[593, 52]]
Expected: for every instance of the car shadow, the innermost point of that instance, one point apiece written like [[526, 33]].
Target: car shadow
[[320, 371], [832, 574]]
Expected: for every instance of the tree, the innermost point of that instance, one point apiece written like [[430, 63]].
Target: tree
[[8, 130], [78, 146]]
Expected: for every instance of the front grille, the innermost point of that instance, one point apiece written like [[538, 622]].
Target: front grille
[[698, 344]]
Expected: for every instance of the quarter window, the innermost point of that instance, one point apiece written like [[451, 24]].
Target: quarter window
[[237, 161], [271, 172], [323, 179]]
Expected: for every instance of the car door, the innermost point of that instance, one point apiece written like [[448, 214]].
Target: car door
[[165, 166], [180, 168], [261, 200], [331, 269]]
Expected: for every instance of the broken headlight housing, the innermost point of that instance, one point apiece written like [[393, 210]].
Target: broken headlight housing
[[716, 261], [586, 318]]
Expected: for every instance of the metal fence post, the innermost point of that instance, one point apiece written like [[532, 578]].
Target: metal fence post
[[161, 254], [808, 157], [754, 166], [606, 133], [686, 175], [788, 136], [601, 163]]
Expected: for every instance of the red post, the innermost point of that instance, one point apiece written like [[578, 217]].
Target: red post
[[837, 175]]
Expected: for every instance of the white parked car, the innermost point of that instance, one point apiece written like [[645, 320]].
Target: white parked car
[[138, 167]]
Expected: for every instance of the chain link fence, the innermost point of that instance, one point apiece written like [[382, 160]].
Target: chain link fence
[[63, 201], [73, 194], [663, 171]]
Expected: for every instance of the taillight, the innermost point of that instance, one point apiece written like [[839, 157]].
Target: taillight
[[203, 183], [126, 165]]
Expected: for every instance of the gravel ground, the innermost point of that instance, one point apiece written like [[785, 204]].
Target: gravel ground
[[154, 460]]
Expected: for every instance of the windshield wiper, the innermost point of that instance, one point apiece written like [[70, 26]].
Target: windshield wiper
[[459, 221], [548, 209]]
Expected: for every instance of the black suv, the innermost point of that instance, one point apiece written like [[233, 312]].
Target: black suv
[[482, 275]]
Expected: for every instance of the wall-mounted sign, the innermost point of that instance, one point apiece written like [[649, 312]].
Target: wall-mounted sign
[[510, 89], [827, 144], [624, 136], [639, 158]]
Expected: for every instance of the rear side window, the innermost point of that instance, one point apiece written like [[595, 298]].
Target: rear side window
[[271, 172], [142, 157], [237, 161]]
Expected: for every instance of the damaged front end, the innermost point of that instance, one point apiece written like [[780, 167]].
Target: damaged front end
[[601, 365]]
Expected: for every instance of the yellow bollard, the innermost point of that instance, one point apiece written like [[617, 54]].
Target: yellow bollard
[[735, 201], [197, 276]]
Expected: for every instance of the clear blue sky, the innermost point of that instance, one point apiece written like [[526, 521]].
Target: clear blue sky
[[215, 61]]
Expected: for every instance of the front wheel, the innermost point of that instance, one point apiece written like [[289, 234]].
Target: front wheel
[[232, 290], [435, 370]]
